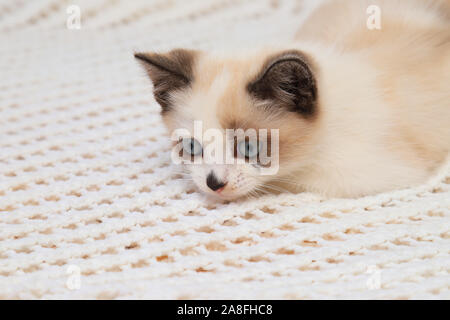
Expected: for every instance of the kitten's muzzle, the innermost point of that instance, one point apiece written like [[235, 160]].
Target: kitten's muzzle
[[213, 183]]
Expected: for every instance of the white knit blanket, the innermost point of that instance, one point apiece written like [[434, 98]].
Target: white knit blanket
[[90, 206]]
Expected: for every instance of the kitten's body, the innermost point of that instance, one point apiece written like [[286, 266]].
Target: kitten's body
[[381, 117], [386, 123]]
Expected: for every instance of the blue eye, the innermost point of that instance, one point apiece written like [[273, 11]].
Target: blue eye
[[248, 149], [192, 146]]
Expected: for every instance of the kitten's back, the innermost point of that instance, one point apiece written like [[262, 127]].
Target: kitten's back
[[411, 51], [408, 60]]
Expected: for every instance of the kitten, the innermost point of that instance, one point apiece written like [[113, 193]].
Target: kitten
[[359, 111]]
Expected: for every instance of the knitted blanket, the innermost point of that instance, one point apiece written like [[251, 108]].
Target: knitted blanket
[[91, 206]]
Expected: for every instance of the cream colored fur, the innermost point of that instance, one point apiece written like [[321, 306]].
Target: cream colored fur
[[384, 102]]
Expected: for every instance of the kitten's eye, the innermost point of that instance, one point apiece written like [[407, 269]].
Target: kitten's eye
[[248, 149], [192, 146]]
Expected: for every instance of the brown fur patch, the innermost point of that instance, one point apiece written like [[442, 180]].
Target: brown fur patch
[[288, 81], [168, 72]]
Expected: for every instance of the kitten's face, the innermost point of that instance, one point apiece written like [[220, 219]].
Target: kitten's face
[[274, 94]]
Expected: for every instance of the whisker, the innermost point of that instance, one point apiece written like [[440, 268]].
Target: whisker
[[276, 188]]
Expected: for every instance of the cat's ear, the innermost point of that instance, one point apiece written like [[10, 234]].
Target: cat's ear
[[169, 72], [287, 80]]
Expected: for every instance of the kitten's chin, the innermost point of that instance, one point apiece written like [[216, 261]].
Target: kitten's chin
[[225, 196]]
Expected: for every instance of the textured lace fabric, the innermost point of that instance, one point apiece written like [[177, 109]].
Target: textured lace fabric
[[91, 206]]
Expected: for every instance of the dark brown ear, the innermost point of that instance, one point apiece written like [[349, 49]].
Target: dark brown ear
[[168, 72], [288, 81]]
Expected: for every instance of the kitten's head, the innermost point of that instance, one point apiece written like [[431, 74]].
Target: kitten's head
[[270, 93]]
